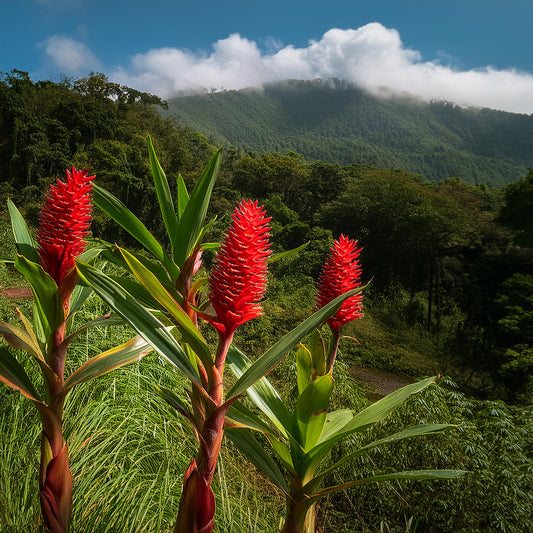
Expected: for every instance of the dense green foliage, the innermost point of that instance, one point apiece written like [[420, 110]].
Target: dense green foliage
[[338, 122], [46, 127], [452, 292]]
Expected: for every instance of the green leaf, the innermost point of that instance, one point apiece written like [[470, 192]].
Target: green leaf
[[241, 417], [142, 320], [318, 353], [311, 410], [380, 409], [255, 453], [113, 207], [105, 321], [183, 196], [14, 376], [129, 352], [411, 475], [34, 349], [274, 355], [362, 420], [284, 453], [280, 255], [179, 405], [28, 327], [334, 422], [192, 219], [136, 290], [163, 195], [262, 393], [210, 245], [25, 244], [304, 368], [80, 294], [89, 255], [155, 267], [21, 340], [46, 295], [414, 431], [187, 328], [173, 400]]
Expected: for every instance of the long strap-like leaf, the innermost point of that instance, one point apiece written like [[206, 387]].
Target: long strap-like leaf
[[13, 375], [129, 352], [274, 355], [142, 320], [113, 207], [164, 197], [411, 475], [255, 453], [414, 431], [361, 421], [46, 294], [192, 219], [188, 329], [23, 239]]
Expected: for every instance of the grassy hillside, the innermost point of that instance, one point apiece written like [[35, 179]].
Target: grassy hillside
[[343, 124]]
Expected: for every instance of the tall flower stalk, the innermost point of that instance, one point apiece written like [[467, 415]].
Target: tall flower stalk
[[236, 286], [48, 265], [64, 224], [340, 273]]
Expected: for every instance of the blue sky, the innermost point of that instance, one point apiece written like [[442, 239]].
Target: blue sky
[[473, 52]]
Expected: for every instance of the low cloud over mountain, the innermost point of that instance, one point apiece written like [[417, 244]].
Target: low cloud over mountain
[[371, 56]]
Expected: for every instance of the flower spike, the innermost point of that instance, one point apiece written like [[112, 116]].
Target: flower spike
[[64, 223], [341, 273], [239, 278]]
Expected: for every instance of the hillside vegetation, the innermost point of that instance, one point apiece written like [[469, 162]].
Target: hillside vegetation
[[337, 122], [452, 293]]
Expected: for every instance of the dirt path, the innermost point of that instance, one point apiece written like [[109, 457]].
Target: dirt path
[[15, 292], [378, 382]]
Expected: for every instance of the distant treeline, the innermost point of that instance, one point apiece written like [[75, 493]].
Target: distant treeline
[[335, 121]]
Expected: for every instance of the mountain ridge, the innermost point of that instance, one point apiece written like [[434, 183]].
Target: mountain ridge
[[335, 121]]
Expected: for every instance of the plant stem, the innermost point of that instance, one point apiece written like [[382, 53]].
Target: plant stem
[[300, 517], [55, 478], [197, 504], [333, 348]]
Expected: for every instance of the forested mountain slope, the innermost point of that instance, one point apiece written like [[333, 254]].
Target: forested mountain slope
[[340, 123]]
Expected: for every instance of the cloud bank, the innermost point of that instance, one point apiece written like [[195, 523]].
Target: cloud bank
[[371, 57]]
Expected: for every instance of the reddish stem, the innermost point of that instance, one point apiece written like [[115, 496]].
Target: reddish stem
[[197, 504], [55, 478], [333, 348]]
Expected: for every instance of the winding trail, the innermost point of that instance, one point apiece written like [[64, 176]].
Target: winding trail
[[379, 383]]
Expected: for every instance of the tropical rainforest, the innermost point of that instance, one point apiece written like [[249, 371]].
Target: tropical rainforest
[[441, 200]]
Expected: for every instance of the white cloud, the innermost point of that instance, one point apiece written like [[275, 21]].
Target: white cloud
[[69, 55], [371, 56]]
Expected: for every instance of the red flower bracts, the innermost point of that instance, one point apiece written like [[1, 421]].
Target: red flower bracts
[[239, 278], [341, 273], [64, 223]]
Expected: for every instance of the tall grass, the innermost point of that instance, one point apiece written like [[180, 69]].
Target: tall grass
[[128, 453]]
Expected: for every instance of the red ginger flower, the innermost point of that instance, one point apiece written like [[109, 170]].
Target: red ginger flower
[[341, 273], [239, 278], [64, 223]]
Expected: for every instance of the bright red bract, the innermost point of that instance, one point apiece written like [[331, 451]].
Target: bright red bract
[[239, 278], [341, 273], [64, 223]]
